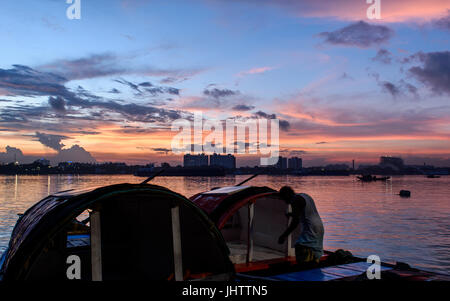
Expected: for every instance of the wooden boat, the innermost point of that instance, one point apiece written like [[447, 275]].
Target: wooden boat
[[135, 231], [252, 218], [370, 178], [405, 193], [432, 176]]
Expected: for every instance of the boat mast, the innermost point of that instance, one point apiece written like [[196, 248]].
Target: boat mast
[[153, 176], [245, 181]]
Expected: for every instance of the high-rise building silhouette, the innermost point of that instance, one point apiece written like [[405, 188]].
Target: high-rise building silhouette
[[282, 163], [393, 162], [295, 163], [195, 160], [226, 161]]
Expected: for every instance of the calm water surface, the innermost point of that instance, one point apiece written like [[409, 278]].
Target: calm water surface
[[365, 218]]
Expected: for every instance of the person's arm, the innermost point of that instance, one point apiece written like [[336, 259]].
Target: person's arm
[[297, 209], [293, 224]]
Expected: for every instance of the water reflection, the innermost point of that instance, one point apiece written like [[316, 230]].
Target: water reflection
[[15, 187]]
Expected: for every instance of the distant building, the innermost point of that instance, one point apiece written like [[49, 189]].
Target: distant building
[[226, 161], [195, 160], [43, 162], [393, 162], [282, 163], [295, 163], [337, 167]]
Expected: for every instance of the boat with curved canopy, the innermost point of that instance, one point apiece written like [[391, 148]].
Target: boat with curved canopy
[[252, 218], [118, 232]]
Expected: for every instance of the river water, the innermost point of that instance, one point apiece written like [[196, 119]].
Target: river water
[[365, 218]]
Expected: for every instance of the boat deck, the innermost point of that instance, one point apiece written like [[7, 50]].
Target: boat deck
[[326, 274], [272, 265], [238, 252], [285, 269], [80, 240]]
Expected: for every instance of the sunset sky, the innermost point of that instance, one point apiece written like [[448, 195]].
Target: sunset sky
[[109, 86]]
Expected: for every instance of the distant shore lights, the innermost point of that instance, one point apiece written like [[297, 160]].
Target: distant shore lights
[[230, 136]]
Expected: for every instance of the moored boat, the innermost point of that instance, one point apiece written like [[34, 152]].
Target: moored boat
[[370, 178], [118, 232], [252, 218], [432, 176]]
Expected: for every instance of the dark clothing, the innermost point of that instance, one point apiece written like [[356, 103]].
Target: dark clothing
[[305, 255]]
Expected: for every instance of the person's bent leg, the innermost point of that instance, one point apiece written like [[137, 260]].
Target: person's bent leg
[[304, 254]]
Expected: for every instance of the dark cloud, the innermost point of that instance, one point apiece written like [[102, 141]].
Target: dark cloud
[[443, 23], [322, 142], [137, 112], [147, 88], [21, 114], [7, 130], [52, 141], [133, 86], [114, 91], [371, 121], [438, 160], [284, 124], [297, 152], [242, 107], [390, 88], [162, 150], [359, 34], [434, 72], [265, 115], [171, 80], [75, 154], [218, 93], [135, 130], [11, 154], [383, 56], [57, 103], [110, 64], [410, 88], [146, 84], [25, 81], [172, 91], [155, 91], [396, 89], [96, 65]]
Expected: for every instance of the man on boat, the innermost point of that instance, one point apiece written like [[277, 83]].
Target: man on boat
[[309, 245]]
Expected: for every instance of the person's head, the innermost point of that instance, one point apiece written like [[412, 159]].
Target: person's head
[[286, 193]]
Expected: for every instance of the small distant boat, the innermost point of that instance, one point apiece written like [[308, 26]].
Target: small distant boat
[[370, 178], [433, 176], [405, 193]]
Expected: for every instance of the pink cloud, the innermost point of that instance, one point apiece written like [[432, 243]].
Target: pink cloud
[[257, 70], [391, 11]]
